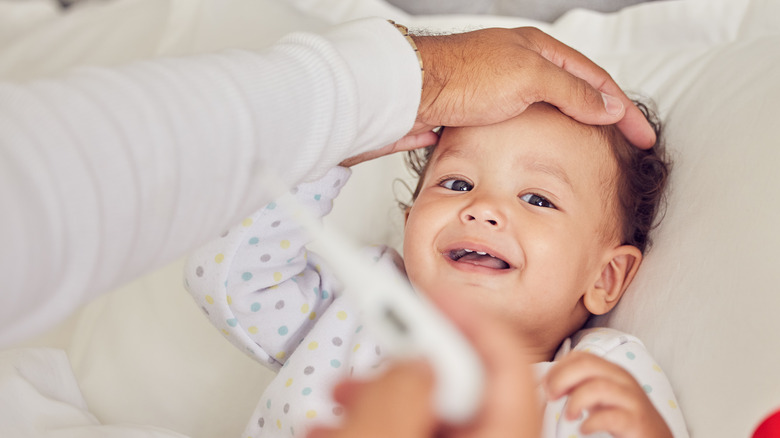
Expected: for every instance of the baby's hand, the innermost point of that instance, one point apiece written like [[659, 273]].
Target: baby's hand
[[612, 397]]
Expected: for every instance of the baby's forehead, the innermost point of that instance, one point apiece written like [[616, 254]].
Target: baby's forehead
[[541, 133]]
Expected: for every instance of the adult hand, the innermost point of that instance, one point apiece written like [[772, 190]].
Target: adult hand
[[398, 403], [490, 75], [612, 397]]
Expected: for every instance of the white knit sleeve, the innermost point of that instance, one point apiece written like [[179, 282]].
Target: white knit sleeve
[[106, 173]]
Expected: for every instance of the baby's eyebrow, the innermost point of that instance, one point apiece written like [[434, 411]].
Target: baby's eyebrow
[[548, 168], [453, 152]]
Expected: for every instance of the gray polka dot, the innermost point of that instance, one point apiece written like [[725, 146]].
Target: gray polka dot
[[286, 408], [199, 271], [225, 233], [294, 190], [265, 257], [280, 305], [337, 341], [261, 421], [308, 370], [337, 183], [378, 351], [338, 410], [275, 224]]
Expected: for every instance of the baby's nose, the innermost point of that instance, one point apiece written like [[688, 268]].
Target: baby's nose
[[484, 213]]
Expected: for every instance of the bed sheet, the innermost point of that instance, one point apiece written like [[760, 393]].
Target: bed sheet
[[145, 362]]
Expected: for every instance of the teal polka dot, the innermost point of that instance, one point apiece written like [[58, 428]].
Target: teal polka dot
[[232, 322], [283, 330], [316, 290], [271, 205], [631, 355], [335, 363], [358, 330], [317, 197], [254, 241], [268, 404], [325, 294], [306, 391], [648, 389], [246, 276], [255, 307]]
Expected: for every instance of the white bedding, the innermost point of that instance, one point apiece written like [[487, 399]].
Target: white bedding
[[145, 362]]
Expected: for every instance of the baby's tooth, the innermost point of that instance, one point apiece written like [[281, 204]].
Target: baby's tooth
[[481, 252]]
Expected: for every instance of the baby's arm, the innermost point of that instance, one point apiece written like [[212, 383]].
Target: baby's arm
[[623, 391], [258, 284]]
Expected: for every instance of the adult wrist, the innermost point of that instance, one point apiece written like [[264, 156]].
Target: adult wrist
[[405, 32]]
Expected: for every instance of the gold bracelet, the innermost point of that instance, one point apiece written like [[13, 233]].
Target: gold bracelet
[[405, 32]]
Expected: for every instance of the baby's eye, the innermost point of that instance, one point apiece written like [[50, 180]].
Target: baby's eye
[[539, 201], [458, 185]]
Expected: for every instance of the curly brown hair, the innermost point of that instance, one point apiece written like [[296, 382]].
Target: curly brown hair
[[639, 185]]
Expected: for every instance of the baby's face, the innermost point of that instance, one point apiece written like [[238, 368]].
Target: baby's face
[[513, 215]]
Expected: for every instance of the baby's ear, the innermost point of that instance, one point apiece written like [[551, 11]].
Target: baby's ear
[[621, 264]]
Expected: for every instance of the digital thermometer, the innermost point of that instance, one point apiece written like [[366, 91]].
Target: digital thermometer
[[406, 324]]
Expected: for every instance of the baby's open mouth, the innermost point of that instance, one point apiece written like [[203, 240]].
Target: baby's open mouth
[[478, 258]]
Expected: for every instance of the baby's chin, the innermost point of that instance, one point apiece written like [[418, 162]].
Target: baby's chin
[[470, 293]]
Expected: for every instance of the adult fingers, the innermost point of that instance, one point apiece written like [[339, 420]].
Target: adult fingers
[[509, 400], [398, 403], [406, 143], [617, 107]]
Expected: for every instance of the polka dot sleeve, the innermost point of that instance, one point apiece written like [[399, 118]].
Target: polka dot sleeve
[[628, 352], [258, 284]]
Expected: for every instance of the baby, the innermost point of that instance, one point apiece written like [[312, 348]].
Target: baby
[[541, 219]]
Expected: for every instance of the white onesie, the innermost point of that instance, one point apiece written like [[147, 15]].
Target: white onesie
[[279, 303]]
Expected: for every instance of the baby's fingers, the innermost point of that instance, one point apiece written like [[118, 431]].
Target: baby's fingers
[[621, 423], [578, 368], [598, 394]]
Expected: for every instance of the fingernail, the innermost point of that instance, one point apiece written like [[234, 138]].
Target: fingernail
[[612, 104]]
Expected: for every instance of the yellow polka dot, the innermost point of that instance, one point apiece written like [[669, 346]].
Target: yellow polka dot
[[305, 308], [252, 330], [672, 404], [209, 299], [558, 416], [279, 424], [572, 436], [311, 414], [247, 222], [229, 300], [277, 276], [288, 382], [219, 258], [656, 368], [281, 355], [586, 350], [225, 332], [312, 315], [357, 347], [313, 345], [342, 315], [284, 244], [276, 286]]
